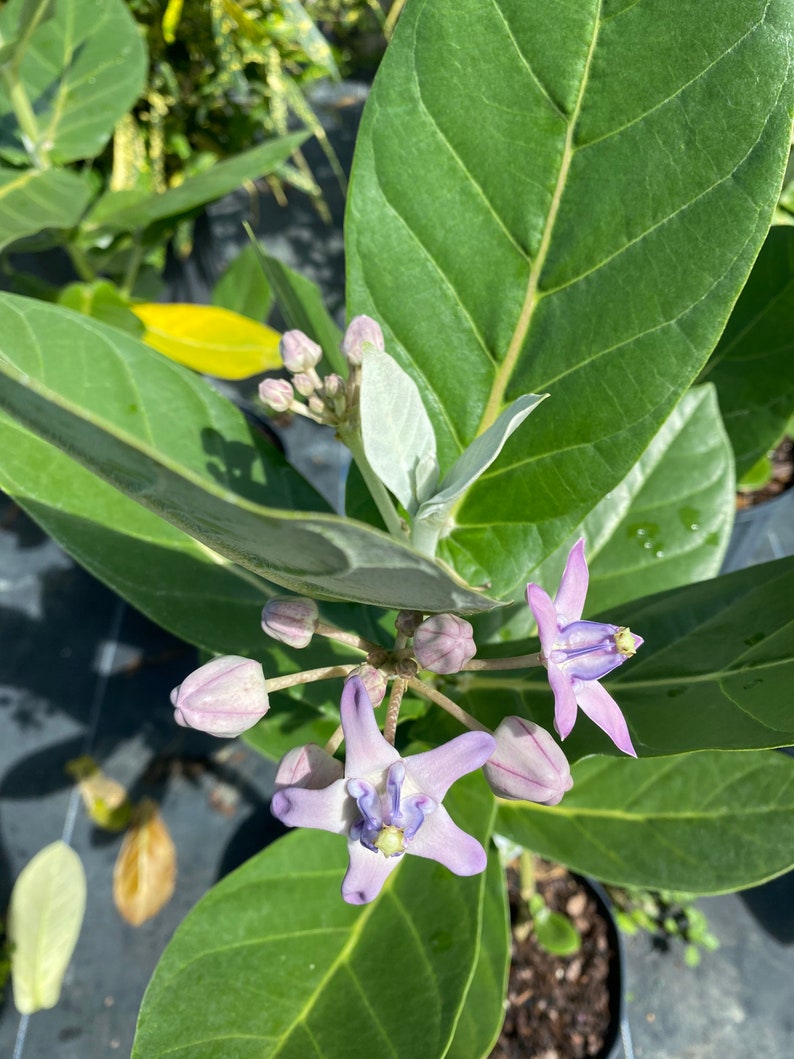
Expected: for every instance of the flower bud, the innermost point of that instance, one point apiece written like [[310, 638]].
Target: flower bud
[[277, 394], [527, 764], [304, 383], [444, 643], [291, 620], [408, 621], [361, 330], [298, 351], [309, 767], [373, 680], [333, 386], [225, 697]]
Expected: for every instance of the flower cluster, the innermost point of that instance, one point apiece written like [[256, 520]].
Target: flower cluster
[[328, 400], [387, 805]]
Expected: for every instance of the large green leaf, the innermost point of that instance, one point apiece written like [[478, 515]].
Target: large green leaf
[[160, 434], [484, 1011], [753, 365], [82, 69], [715, 671], [34, 199], [273, 963], [706, 823], [563, 197], [123, 211]]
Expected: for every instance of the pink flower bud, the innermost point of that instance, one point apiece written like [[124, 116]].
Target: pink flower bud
[[444, 643], [527, 764], [308, 767], [277, 394], [334, 385], [373, 680], [361, 330], [304, 384], [225, 697], [298, 351], [291, 620]]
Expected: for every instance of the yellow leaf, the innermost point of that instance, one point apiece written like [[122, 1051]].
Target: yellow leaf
[[145, 870], [44, 920], [105, 799], [209, 339]]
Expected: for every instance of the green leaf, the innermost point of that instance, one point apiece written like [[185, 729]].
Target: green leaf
[[162, 436], [126, 211], [704, 823], [272, 962], [301, 305], [483, 1013], [396, 432], [44, 920], [33, 199], [567, 197], [102, 300], [243, 287], [555, 932], [669, 521], [18, 22], [89, 50], [435, 514], [753, 365]]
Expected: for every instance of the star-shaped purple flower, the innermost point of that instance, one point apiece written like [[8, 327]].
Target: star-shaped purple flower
[[387, 805], [578, 653]]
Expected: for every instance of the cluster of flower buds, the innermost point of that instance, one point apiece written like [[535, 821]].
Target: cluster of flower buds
[[325, 400]]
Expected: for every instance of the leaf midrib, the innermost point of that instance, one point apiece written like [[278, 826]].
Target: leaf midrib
[[504, 373]]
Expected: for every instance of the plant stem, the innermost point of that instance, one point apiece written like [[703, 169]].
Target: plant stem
[[380, 494], [393, 709], [346, 637], [518, 662], [451, 707], [335, 741], [80, 261], [133, 268], [26, 118], [307, 676]]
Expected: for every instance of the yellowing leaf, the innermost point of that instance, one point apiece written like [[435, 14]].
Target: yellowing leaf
[[105, 799], [145, 870], [44, 920], [210, 339]]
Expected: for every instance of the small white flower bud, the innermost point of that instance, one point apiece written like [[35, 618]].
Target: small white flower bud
[[277, 394], [225, 697], [304, 384], [291, 620], [360, 331], [373, 680], [527, 764], [444, 643], [299, 352]]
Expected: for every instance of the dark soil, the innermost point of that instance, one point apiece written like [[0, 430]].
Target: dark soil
[[782, 478], [558, 1006]]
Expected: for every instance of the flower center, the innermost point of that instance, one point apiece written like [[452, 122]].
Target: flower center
[[390, 820]]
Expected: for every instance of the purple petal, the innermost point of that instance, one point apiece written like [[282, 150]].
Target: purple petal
[[545, 615], [368, 802], [439, 838], [436, 770], [329, 809], [564, 701], [366, 874], [600, 707], [571, 594], [366, 750]]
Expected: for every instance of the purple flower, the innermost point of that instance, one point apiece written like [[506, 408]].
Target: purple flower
[[578, 653], [387, 805]]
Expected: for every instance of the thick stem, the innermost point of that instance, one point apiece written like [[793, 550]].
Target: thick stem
[[518, 662], [308, 676], [393, 709], [380, 494], [451, 707]]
